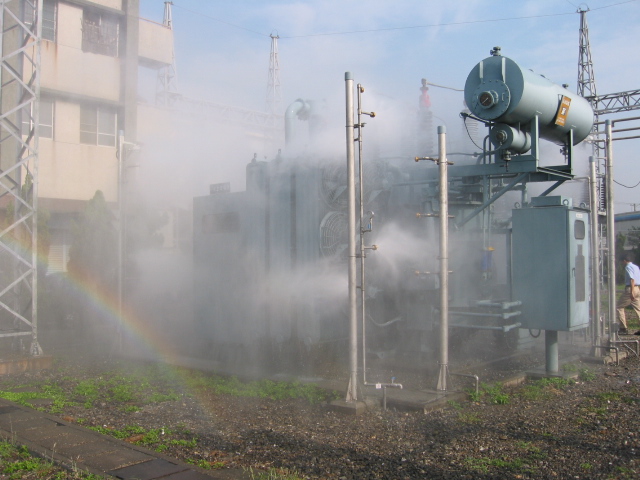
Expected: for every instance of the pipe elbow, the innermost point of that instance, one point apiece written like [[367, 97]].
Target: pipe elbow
[[300, 108]]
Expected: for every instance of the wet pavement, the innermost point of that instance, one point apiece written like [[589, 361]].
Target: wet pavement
[[82, 449]]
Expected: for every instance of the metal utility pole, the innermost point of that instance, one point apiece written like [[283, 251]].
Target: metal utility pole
[[611, 236], [444, 259], [20, 68], [352, 393], [167, 81], [596, 325]]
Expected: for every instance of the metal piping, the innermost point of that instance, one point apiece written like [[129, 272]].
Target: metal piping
[[611, 244], [502, 305], [444, 259], [363, 249], [505, 328], [299, 109], [504, 316], [352, 393], [596, 326]]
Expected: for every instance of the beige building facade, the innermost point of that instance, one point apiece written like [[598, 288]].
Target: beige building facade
[[88, 92]]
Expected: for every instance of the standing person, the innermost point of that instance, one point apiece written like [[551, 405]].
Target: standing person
[[631, 295]]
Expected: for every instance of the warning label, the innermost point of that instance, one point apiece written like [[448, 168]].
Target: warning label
[[563, 111]]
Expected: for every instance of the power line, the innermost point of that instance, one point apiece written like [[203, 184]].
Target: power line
[[468, 22], [220, 21], [625, 186], [413, 27]]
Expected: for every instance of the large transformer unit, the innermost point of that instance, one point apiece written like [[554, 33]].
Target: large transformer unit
[[271, 261]]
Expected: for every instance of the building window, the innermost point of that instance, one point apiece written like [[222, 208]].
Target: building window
[[46, 118], [98, 126], [49, 8], [100, 33]]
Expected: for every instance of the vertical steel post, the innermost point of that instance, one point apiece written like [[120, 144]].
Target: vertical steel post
[[551, 350], [352, 394], [444, 259], [596, 326], [120, 270], [611, 237], [363, 303], [35, 348]]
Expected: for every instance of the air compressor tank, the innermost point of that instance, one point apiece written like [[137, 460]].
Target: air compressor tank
[[500, 90]]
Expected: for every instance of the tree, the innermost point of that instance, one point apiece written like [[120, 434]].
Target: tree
[[93, 255]]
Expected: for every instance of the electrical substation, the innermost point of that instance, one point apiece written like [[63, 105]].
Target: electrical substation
[[424, 254], [507, 281]]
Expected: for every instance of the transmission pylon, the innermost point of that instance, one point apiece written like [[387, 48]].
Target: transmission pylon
[[587, 88], [586, 75], [274, 94], [167, 81], [20, 68]]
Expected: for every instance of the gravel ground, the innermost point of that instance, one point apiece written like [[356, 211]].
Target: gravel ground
[[588, 428]]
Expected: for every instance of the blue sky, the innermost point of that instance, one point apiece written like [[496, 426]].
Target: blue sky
[[222, 50]]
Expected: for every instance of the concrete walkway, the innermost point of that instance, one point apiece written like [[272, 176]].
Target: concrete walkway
[[80, 448]]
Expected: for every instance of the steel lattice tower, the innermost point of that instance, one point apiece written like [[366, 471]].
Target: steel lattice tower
[[167, 81], [274, 94], [587, 88], [20, 68], [586, 76]]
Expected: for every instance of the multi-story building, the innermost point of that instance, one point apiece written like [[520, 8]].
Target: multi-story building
[[90, 55]]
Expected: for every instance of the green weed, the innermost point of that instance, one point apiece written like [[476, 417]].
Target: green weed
[[121, 392], [586, 375], [485, 465], [609, 397], [273, 474], [260, 388], [88, 391], [496, 394], [468, 418]]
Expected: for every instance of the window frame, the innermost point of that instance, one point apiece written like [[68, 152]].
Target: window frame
[[98, 125], [100, 33], [46, 105], [50, 23]]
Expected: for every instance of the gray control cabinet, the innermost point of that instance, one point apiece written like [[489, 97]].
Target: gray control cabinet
[[550, 264]]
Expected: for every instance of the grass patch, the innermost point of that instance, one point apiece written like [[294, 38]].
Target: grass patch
[[490, 393], [159, 439], [542, 389], [586, 375], [16, 462], [273, 474], [259, 388], [470, 418], [487, 465]]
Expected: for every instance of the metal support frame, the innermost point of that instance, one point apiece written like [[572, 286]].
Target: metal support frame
[[21, 33], [274, 92], [167, 79], [495, 197]]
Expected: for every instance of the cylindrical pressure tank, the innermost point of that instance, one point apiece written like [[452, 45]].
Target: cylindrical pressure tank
[[499, 90]]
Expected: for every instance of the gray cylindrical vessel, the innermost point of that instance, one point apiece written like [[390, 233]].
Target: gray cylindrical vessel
[[498, 89]]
